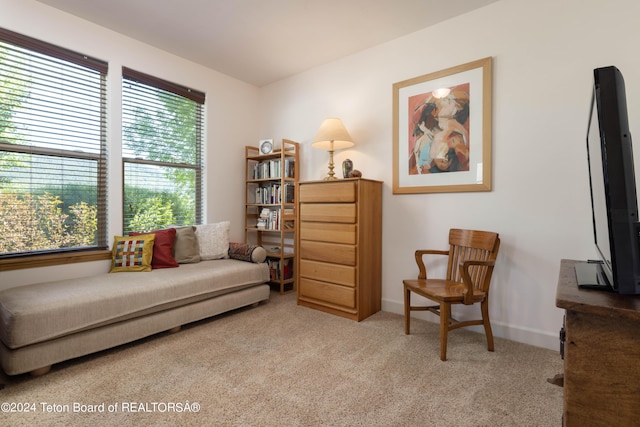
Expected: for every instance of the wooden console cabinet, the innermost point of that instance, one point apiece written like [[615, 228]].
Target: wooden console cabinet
[[601, 354], [340, 247]]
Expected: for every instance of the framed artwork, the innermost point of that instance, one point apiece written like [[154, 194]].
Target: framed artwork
[[442, 131]]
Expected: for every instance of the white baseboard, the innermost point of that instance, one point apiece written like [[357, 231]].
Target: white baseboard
[[529, 336]]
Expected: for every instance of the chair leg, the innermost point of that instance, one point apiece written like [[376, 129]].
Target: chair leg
[[407, 309], [484, 306], [445, 314]]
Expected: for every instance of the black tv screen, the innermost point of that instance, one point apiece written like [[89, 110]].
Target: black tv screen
[[613, 190]]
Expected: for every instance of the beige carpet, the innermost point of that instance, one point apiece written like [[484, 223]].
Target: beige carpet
[[283, 365]]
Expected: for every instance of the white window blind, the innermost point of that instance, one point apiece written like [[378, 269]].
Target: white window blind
[[162, 153], [52, 148]]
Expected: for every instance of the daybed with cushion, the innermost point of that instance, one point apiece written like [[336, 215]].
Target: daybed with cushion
[[46, 323]]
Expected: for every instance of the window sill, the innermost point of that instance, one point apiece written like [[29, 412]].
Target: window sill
[[53, 259]]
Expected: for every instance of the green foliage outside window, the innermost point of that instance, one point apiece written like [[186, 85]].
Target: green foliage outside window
[[152, 214], [161, 150], [30, 222], [42, 211], [48, 168]]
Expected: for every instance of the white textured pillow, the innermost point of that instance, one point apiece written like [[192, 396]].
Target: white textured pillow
[[213, 240]]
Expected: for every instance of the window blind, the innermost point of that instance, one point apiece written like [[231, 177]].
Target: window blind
[[53, 170], [162, 143]]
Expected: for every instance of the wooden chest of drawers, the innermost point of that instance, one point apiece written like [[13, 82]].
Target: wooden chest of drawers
[[340, 246]]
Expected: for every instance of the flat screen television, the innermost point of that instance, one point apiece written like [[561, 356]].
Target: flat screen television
[[613, 190]]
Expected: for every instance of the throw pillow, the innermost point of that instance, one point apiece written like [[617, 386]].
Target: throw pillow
[[247, 252], [213, 240], [185, 247], [162, 248], [132, 253]]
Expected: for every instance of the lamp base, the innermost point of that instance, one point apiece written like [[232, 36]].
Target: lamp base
[[331, 175]]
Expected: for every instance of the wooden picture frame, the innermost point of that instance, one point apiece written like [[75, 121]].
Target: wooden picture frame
[[442, 130]]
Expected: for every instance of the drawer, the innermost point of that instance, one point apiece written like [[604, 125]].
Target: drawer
[[328, 232], [335, 273], [328, 252], [344, 191], [328, 212], [328, 292]]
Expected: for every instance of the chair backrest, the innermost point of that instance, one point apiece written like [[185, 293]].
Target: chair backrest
[[473, 245]]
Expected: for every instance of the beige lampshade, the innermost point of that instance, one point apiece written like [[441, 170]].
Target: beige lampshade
[[332, 130]]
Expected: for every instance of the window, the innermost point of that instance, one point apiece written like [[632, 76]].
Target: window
[[162, 134], [52, 148]]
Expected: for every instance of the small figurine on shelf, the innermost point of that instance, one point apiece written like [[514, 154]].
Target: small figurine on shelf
[[355, 174], [347, 167], [264, 217]]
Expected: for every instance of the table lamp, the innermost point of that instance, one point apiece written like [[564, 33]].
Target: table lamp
[[332, 136]]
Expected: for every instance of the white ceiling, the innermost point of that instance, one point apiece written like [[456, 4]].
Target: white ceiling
[[263, 41]]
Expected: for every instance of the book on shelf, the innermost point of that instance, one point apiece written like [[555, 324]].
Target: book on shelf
[[280, 269], [269, 219], [274, 269], [289, 167], [288, 268], [270, 169], [289, 192], [263, 218], [272, 194]]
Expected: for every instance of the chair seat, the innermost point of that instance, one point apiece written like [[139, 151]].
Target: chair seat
[[443, 290]]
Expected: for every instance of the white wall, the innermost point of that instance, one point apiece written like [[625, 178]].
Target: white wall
[[544, 53], [230, 108]]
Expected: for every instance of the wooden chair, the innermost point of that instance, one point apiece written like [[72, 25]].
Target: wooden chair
[[472, 255]]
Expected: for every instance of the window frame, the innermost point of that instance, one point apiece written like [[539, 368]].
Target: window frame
[[58, 256], [198, 167]]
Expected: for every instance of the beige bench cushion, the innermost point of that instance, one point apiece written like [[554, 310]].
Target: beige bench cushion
[[31, 357], [44, 311]]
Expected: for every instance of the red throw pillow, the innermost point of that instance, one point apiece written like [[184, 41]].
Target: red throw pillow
[[162, 248]]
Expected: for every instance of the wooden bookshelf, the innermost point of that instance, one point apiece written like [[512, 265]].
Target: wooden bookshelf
[[271, 189]]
